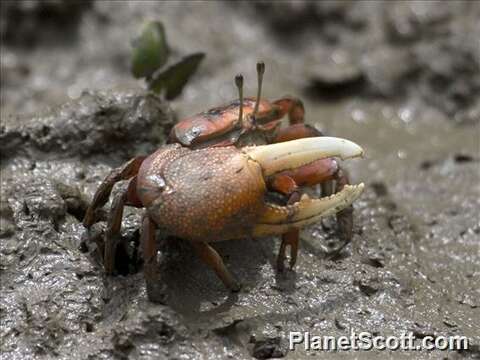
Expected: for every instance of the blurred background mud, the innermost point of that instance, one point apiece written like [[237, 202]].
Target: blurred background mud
[[400, 78]]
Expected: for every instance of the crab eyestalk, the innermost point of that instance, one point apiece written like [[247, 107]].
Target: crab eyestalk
[[260, 72], [239, 83], [288, 155]]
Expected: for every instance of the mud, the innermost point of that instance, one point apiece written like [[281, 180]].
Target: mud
[[71, 112]]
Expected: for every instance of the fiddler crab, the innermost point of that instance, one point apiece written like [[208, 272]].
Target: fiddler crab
[[211, 183]]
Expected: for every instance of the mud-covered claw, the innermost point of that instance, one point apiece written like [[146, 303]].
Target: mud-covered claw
[[288, 155], [279, 219]]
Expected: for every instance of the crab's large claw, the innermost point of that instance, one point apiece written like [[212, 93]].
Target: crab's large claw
[[293, 154]]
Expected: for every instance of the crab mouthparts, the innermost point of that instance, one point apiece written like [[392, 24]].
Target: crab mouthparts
[[288, 155]]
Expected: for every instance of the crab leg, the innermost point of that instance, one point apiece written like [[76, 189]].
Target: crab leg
[[296, 131], [125, 172], [344, 217], [324, 172], [149, 247], [210, 257], [311, 174], [293, 107], [114, 223], [287, 183], [292, 239], [112, 235], [127, 197], [288, 186]]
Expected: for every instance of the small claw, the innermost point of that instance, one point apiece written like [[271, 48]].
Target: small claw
[[280, 219], [288, 155]]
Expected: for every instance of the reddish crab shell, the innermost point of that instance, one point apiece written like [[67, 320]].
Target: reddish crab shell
[[220, 126]]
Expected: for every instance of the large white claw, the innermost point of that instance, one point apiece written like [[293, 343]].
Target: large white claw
[[287, 155], [280, 219]]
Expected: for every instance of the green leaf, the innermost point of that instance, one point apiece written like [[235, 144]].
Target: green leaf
[[150, 50], [174, 78]]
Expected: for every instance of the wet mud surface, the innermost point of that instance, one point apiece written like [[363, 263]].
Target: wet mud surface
[[71, 112]]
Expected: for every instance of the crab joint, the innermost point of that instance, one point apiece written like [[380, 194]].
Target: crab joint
[[288, 155], [280, 219]]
